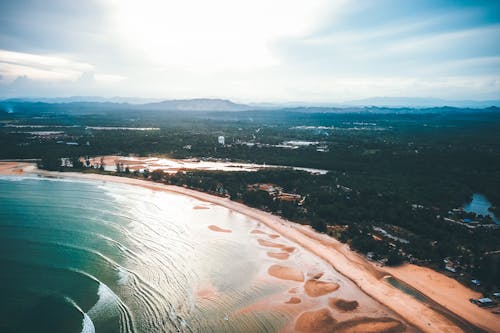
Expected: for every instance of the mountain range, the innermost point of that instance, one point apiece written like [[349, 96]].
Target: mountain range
[[377, 104]]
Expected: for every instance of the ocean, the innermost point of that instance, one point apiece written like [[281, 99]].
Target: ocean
[[80, 256]]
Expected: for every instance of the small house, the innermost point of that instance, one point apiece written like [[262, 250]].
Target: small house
[[485, 302], [476, 282]]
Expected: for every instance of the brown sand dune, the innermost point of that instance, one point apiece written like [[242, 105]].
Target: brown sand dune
[[264, 242], [370, 325], [320, 321], [278, 255], [315, 288], [342, 304], [200, 207], [283, 247], [288, 249], [218, 229], [293, 300], [286, 273], [316, 276], [260, 232]]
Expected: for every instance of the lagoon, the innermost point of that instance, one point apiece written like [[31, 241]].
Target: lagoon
[[479, 205]]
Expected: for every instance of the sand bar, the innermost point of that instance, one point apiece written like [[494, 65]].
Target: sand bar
[[342, 304], [372, 325], [315, 288], [320, 321], [218, 229], [286, 273], [293, 300], [278, 255]]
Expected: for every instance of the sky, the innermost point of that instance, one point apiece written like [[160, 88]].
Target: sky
[[251, 51]]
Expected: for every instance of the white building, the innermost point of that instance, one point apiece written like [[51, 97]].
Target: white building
[[221, 140]]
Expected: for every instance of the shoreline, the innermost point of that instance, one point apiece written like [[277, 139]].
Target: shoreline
[[368, 277]]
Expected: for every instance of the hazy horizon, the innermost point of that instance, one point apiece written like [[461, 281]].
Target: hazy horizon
[[383, 101], [284, 51]]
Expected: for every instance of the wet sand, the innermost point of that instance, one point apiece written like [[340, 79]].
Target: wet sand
[[342, 304], [372, 325], [218, 229], [200, 207], [364, 274], [315, 288], [278, 255], [286, 273], [293, 300], [206, 291], [320, 321], [264, 242]]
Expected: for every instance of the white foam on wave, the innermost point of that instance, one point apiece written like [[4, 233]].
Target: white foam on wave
[[87, 324], [17, 178], [105, 305], [123, 276]]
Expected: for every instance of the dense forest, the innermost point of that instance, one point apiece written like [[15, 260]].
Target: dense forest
[[394, 176]]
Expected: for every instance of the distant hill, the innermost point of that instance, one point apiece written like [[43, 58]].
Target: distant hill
[[421, 102], [197, 104], [93, 105], [214, 104]]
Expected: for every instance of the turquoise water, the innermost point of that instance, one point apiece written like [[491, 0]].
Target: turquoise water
[[98, 257], [480, 205]]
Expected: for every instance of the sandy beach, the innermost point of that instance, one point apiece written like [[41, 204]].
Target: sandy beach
[[369, 278], [14, 168]]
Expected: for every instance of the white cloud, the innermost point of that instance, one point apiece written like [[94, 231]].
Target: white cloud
[[211, 35], [40, 67], [109, 78], [50, 68], [260, 50]]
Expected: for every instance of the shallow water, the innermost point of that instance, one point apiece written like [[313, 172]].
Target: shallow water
[[82, 256], [480, 206]]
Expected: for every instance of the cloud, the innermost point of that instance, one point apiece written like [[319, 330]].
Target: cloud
[[109, 78], [251, 50], [23, 70], [40, 67], [407, 44], [206, 35]]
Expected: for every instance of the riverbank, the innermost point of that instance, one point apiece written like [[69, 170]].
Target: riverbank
[[365, 275]]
